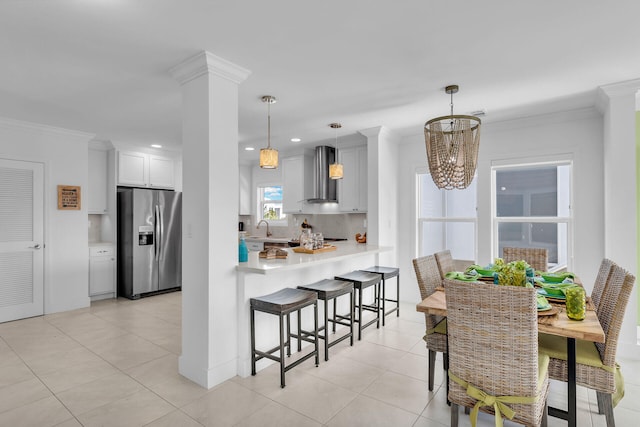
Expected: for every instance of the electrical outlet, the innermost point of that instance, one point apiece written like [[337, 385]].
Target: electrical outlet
[[364, 223]]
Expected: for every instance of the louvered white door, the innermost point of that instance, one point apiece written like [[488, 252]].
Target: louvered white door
[[21, 239]]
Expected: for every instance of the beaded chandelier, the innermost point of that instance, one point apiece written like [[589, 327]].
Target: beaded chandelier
[[452, 148]]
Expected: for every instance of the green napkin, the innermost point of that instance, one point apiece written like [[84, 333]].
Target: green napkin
[[543, 304], [459, 275], [557, 289]]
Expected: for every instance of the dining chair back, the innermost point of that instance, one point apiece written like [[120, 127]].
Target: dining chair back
[[601, 280], [428, 276], [537, 258], [611, 311], [445, 262], [493, 351], [596, 366]]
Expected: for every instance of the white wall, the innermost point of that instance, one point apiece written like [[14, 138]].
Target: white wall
[[65, 156], [577, 134]]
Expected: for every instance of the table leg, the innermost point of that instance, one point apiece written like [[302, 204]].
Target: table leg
[[571, 362], [570, 414]]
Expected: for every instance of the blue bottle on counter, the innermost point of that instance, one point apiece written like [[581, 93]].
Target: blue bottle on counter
[[243, 251]]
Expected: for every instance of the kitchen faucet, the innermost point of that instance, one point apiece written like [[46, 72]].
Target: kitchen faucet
[[268, 232]]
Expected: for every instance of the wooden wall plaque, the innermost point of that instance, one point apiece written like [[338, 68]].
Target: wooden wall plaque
[[69, 198]]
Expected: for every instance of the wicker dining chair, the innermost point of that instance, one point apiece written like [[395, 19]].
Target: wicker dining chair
[[445, 262], [537, 258], [493, 352], [435, 337], [596, 366], [601, 281]]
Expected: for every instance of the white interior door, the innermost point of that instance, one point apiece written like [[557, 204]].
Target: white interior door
[[21, 239]]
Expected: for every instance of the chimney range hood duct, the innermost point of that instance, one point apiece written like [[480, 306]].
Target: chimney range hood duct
[[324, 187]]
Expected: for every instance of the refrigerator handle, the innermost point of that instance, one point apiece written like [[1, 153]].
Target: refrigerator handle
[[161, 227], [156, 241]]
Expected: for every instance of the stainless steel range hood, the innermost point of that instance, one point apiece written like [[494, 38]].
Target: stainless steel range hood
[[324, 188]]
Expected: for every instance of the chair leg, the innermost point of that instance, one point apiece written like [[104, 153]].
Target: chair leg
[[253, 341], [352, 301], [605, 406], [326, 329], [454, 415], [315, 331], [543, 422], [282, 352], [398, 295], [432, 368], [384, 296]]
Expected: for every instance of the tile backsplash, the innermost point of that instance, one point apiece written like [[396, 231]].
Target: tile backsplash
[[330, 225]]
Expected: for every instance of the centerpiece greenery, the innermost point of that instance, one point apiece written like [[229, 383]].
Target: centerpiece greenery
[[513, 273]]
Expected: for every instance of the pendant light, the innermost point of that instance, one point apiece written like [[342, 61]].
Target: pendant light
[[335, 169], [269, 156], [452, 147]]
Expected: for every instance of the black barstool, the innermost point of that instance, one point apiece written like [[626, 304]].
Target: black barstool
[[362, 280], [387, 273], [328, 290], [282, 303]]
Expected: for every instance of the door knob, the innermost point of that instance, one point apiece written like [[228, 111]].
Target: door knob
[[37, 246]]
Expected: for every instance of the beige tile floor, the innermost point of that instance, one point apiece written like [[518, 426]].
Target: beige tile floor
[[115, 364]]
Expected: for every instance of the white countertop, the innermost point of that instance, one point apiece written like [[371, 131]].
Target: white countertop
[[302, 260]]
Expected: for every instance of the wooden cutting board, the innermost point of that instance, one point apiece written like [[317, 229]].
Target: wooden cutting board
[[326, 248]]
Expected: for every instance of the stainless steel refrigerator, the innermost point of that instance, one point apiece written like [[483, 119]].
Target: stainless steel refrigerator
[[149, 241]]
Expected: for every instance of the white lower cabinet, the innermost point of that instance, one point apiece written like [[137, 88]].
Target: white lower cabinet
[[102, 269]]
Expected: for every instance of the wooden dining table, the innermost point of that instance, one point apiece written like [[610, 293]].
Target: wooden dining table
[[559, 324]]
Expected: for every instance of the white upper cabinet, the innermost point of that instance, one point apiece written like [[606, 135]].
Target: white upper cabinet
[[97, 193], [297, 183], [352, 188], [145, 170], [161, 172]]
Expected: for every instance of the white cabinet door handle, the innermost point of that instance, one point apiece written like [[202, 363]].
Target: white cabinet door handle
[[37, 246]]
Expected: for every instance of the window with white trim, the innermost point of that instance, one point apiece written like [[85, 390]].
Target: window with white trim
[[270, 204], [447, 219], [532, 209]]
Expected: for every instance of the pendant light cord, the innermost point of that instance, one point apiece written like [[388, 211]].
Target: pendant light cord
[[269, 124]]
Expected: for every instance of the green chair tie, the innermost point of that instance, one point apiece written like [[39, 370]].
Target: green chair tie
[[498, 402]]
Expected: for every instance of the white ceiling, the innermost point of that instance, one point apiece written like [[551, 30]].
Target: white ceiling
[[101, 66]]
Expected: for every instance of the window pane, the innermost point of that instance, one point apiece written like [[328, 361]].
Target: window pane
[[458, 237], [270, 206], [432, 238], [549, 235], [531, 191], [273, 193], [438, 203], [430, 198], [461, 203]]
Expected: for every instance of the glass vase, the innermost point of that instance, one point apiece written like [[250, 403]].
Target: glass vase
[[576, 303]]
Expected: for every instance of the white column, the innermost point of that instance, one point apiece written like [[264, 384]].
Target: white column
[[209, 216], [617, 102], [382, 191]]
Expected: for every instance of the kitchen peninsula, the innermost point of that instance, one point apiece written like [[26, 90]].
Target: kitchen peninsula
[[260, 277]]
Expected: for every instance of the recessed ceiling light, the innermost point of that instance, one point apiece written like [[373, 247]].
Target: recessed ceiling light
[[249, 148], [156, 145], [295, 140]]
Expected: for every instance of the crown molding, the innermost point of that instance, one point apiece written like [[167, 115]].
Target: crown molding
[[615, 90], [8, 123], [207, 63]]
